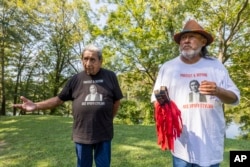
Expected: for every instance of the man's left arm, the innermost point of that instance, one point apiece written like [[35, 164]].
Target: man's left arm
[[226, 96], [116, 107]]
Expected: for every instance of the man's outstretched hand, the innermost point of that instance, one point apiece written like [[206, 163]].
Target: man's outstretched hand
[[27, 104]]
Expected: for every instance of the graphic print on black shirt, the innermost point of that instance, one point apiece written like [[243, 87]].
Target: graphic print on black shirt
[[94, 95]]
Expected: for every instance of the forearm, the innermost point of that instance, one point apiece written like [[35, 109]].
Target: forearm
[[226, 96], [116, 107], [48, 104]]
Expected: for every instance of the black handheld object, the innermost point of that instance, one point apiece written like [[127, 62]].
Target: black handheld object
[[162, 95]]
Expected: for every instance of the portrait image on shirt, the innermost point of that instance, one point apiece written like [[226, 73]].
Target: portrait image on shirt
[[195, 95], [93, 94]]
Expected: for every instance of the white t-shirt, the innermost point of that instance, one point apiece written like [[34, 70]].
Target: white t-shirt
[[202, 138]]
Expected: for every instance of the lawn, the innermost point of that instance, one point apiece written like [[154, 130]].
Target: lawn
[[45, 141]]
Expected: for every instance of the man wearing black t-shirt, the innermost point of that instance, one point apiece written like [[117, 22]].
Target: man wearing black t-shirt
[[93, 117]]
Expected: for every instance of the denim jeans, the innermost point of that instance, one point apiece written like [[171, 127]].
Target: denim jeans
[[101, 152], [177, 162]]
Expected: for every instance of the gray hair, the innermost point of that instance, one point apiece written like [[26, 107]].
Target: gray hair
[[93, 48]]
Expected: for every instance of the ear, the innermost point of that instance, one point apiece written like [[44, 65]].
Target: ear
[[204, 41]]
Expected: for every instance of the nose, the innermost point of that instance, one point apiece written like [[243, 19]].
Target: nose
[[87, 62]]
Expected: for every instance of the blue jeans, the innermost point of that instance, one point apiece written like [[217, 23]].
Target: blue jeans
[[102, 154], [177, 162]]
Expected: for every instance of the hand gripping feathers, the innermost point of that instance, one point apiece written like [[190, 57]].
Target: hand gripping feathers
[[168, 119]]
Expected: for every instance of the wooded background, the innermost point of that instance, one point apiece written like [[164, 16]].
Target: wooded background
[[41, 42]]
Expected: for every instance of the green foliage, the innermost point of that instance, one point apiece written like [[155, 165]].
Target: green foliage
[[41, 48], [129, 113], [17, 34], [240, 72]]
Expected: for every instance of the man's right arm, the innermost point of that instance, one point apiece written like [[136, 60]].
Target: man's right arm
[[29, 105], [49, 103]]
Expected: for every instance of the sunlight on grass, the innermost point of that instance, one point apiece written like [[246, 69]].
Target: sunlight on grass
[[11, 160], [42, 118], [126, 147], [2, 130], [9, 121], [42, 164]]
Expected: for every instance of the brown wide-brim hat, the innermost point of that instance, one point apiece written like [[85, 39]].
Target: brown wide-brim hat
[[193, 26]]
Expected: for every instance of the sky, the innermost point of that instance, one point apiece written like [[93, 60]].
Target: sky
[[96, 6]]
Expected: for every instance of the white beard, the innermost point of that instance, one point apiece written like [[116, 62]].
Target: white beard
[[190, 53]]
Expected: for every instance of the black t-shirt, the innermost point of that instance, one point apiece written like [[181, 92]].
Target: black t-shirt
[[93, 113]]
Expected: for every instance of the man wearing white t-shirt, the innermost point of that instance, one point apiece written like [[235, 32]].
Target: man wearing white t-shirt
[[201, 143]]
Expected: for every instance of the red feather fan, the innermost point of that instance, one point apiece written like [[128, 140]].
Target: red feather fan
[[168, 120]]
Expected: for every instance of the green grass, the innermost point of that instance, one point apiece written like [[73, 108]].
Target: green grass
[[45, 141]]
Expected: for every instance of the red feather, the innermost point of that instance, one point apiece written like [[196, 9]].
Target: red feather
[[168, 124]]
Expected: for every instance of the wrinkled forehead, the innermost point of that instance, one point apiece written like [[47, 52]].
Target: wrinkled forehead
[[89, 53], [92, 53]]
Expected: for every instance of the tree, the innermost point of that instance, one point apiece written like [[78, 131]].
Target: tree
[[41, 46], [16, 32]]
